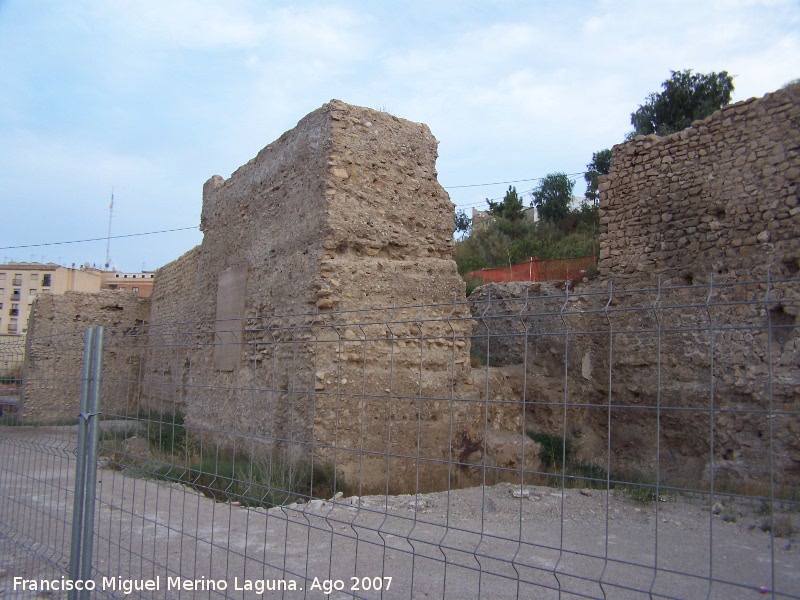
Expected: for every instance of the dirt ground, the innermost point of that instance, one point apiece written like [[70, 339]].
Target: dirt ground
[[498, 541]]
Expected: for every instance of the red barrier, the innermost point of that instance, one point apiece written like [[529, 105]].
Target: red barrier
[[539, 270]]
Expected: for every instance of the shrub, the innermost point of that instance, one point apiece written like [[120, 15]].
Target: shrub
[[165, 431], [553, 449]]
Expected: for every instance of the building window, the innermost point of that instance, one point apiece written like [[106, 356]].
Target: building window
[[135, 290], [32, 292], [2, 276], [34, 276], [14, 312], [2, 291], [46, 280], [15, 295], [17, 279]]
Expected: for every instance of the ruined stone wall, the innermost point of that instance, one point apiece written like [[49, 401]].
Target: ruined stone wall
[[389, 240], [55, 352], [173, 294], [691, 381], [715, 203], [687, 374], [340, 214], [719, 197], [172, 337]]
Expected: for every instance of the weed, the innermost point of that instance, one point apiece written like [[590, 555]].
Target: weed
[[12, 376], [256, 481], [226, 476], [502, 241], [114, 437], [16, 420], [8, 418], [639, 492], [554, 449], [472, 284], [588, 475], [166, 431], [476, 360]]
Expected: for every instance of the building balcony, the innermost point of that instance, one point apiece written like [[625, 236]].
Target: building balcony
[[14, 297], [17, 281], [14, 312], [12, 329]]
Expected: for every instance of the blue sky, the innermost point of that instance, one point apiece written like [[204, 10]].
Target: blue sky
[[153, 97]]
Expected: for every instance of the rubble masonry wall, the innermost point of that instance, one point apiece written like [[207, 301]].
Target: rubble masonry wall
[[341, 214], [708, 210], [718, 197], [55, 352]]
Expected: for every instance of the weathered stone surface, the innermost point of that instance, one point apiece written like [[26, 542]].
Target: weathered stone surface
[[55, 352], [722, 220], [723, 182], [342, 213]]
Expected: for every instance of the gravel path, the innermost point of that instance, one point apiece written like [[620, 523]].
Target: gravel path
[[494, 542]]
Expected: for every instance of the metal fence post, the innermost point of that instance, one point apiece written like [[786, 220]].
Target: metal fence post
[[91, 459], [80, 469], [80, 563]]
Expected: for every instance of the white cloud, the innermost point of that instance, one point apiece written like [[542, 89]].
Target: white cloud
[[66, 160], [235, 25], [156, 96], [180, 23]]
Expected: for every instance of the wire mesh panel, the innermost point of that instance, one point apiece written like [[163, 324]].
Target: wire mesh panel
[[37, 456], [531, 443]]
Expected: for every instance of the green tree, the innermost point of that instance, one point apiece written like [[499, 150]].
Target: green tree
[[553, 196], [463, 223], [686, 97], [510, 207], [600, 165]]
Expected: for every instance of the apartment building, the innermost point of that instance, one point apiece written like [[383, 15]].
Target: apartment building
[[20, 283], [140, 284]]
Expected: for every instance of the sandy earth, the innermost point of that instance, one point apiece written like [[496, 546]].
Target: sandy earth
[[486, 542]]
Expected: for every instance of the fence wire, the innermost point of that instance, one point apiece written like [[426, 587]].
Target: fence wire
[[531, 443]]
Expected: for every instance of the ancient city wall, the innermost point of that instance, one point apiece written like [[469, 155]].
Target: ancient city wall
[[719, 197], [341, 214], [669, 372], [712, 207], [173, 294], [55, 352], [707, 210]]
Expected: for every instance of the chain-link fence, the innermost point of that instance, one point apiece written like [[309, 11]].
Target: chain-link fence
[[532, 443]]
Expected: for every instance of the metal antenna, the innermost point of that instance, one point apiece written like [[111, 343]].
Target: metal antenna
[[108, 240]]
